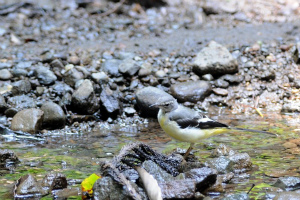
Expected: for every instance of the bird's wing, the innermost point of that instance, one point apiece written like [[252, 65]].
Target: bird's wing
[[186, 117]]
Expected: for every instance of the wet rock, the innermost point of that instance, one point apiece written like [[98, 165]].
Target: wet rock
[[84, 100], [3, 105], [54, 181], [28, 120], [45, 75], [287, 196], [8, 159], [21, 102], [29, 187], [291, 106], [21, 87], [191, 91], [5, 74], [221, 150], [204, 177], [129, 67], [60, 88], [220, 91], [72, 75], [147, 97], [222, 164], [110, 101], [111, 67], [221, 83], [54, 116], [241, 162], [215, 59], [157, 172], [100, 77], [145, 70], [178, 189], [241, 196], [288, 183]]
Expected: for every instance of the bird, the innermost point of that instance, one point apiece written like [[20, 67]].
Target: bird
[[188, 125]]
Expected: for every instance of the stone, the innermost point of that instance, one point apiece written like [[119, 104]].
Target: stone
[[8, 159], [287, 196], [75, 60], [291, 106], [288, 183], [215, 59], [192, 91], [5, 74], [240, 196], [232, 78], [3, 105], [21, 87], [111, 67], [220, 91], [61, 88], [72, 75], [45, 75], [147, 97], [110, 101], [21, 102], [54, 116], [204, 177], [241, 162], [129, 67], [100, 77], [145, 70], [221, 83], [28, 185], [84, 100], [178, 189], [28, 120], [54, 181]]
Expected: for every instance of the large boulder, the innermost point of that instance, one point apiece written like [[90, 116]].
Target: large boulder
[[28, 120]]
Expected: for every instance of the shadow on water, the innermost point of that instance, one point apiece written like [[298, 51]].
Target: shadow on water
[[78, 153]]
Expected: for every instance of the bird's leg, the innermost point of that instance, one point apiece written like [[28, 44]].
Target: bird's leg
[[188, 151]]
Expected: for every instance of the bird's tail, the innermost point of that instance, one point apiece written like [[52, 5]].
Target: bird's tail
[[253, 130]]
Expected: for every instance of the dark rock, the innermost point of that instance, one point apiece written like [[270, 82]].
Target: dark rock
[[21, 87], [178, 189], [5, 74], [21, 102], [111, 67], [3, 105], [296, 53], [221, 83], [10, 112], [84, 100], [54, 116], [287, 196], [45, 75], [216, 60], [129, 67], [193, 91], [29, 187], [147, 97], [60, 88], [72, 75], [232, 78], [54, 181], [288, 183], [8, 159], [28, 120], [204, 177], [241, 196], [267, 75], [110, 101]]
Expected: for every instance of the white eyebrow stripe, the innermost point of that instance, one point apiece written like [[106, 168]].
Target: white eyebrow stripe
[[205, 119]]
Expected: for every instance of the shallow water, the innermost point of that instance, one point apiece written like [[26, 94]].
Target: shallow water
[[78, 153]]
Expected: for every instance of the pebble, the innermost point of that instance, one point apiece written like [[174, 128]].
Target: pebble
[[3, 105], [5, 74], [111, 67], [21, 87], [45, 75], [28, 120], [145, 70], [110, 102], [100, 77], [129, 67], [220, 91]]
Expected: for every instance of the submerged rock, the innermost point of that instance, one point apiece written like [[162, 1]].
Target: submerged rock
[[28, 120], [54, 116], [147, 97], [215, 59], [191, 91]]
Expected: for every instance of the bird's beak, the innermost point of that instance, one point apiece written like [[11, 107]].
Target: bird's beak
[[153, 105]]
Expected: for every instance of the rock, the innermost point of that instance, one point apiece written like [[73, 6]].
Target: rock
[[61, 88], [191, 91], [220, 91], [178, 189], [208, 77], [232, 78], [160, 74], [21, 102], [111, 67], [129, 67], [241, 162], [45, 75], [3, 105], [54, 116], [145, 70], [5, 74], [215, 59], [221, 150], [72, 75], [288, 183], [100, 77], [204, 177], [291, 106], [16, 72], [129, 111], [241, 196], [267, 75], [66, 100], [110, 101], [28, 120], [57, 64], [29, 187], [75, 60], [10, 112], [54, 181], [222, 164], [287, 196], [8, 159], [84, 100], [157, 172], [147, 97], [21, 87], [296, 53], [221, 83]]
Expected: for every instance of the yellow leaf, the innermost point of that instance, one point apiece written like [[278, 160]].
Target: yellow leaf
[[88, 183]]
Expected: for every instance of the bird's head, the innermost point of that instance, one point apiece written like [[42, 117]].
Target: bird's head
[[167, 104]]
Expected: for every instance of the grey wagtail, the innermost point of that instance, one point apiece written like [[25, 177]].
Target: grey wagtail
[[187, 125]]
